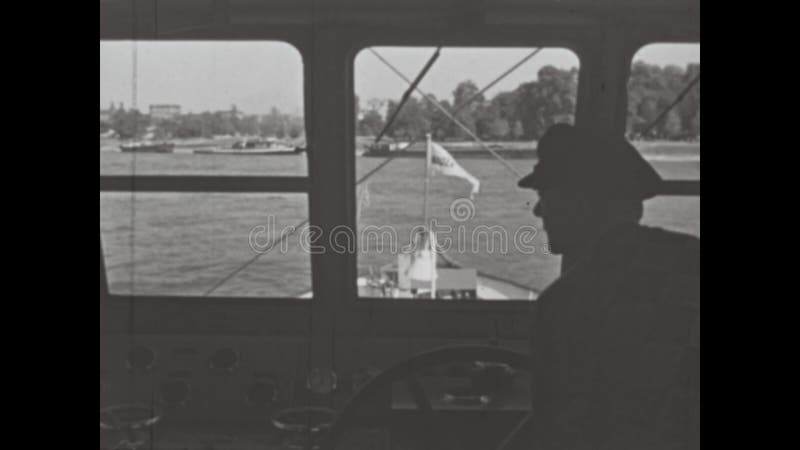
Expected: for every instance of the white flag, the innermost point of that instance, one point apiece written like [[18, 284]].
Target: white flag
[[442, 162]]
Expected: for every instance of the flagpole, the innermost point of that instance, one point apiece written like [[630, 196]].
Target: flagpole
[[429, 238], [432, 239], [427, 182]]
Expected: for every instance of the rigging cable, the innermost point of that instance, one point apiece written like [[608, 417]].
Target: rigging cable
[[450, 116], [456, 109], [669, 108], [408, 92], [497, 80], [288, 232]]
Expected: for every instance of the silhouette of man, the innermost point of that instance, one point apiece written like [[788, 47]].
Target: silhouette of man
[[616, 338]]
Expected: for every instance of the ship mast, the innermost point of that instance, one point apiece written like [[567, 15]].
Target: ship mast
[[134, 69]]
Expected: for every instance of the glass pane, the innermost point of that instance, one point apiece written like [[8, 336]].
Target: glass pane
[[671, 142], [490, 247], [189, 244], [673, 213], [660, 73], [221, 108]]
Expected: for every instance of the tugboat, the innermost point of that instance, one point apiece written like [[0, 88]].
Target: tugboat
[[253, 147], [148, 147], [146, 144], [462, 150]]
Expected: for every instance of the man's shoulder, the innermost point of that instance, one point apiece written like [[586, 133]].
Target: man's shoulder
[[641, 252], [646, 248], [669, 250], [642, 235]]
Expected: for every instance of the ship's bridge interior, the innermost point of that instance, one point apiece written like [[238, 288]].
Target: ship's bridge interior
[[219, 332]]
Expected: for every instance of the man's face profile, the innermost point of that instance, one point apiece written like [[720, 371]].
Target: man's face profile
[[561, 218]]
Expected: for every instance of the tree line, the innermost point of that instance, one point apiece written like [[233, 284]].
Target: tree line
[[132, 123], [520, 114], [527, 111]]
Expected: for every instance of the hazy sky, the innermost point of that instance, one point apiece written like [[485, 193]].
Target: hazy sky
[[202, 76], [256, 76]]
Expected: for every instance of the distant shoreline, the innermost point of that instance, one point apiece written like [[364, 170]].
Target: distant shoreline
[[655, 150]]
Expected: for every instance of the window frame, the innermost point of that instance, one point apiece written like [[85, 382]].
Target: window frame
[[510, 37], [213, 184]]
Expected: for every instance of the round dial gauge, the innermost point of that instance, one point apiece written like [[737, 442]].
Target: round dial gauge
[[321, 381]]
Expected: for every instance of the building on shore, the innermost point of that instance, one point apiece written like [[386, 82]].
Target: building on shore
[[164, 112]]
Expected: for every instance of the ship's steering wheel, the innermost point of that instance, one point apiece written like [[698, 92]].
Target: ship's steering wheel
[[406, 371], [129, 419]]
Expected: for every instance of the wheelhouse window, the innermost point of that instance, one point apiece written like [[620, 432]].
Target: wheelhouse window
[[201, 108], [664, 125], [478, 113], [203, 169]]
